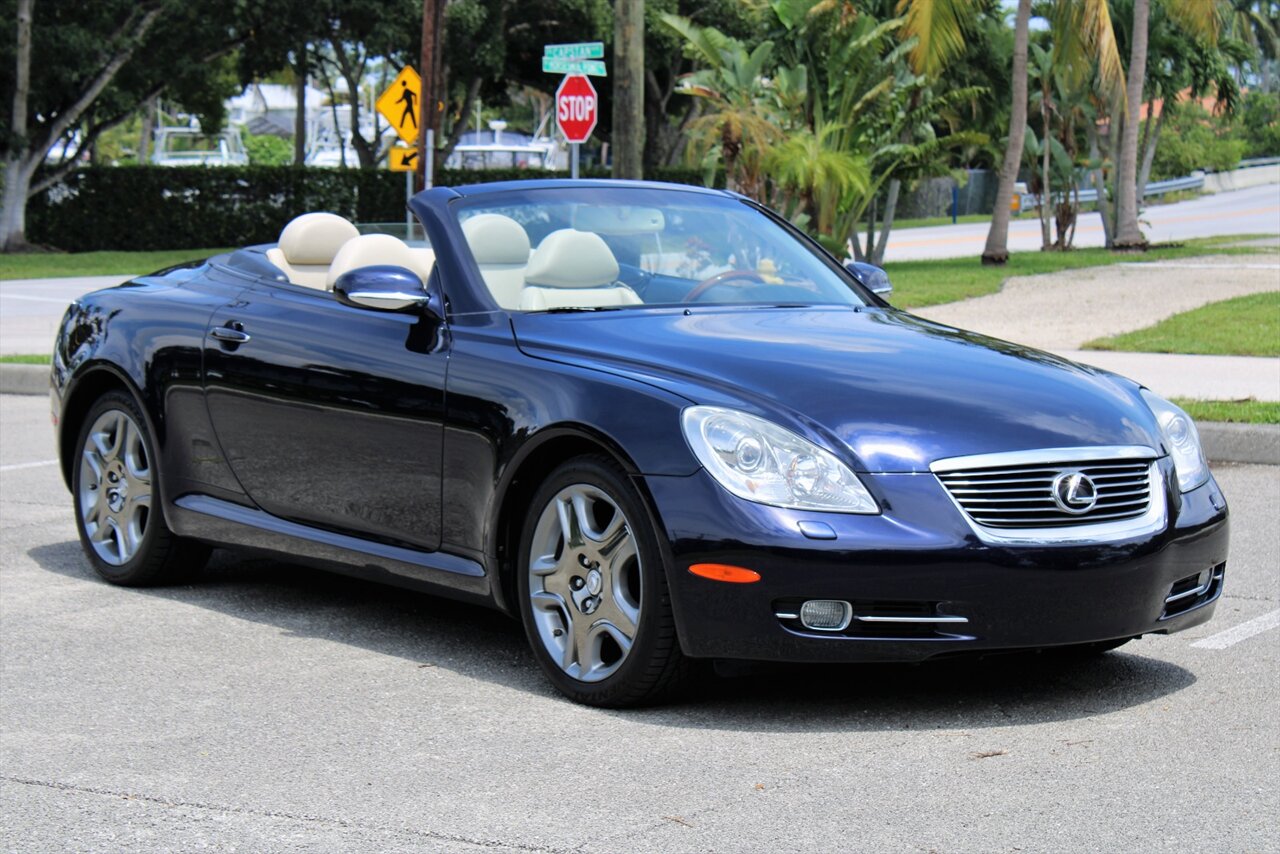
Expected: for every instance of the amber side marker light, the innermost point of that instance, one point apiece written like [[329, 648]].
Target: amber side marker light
[[725, 572]]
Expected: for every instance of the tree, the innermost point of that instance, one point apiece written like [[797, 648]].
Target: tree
[[89, 67], [284, 35], [831, 86], [740, 118], [1195, 16], [666, 116], [997, 249], [628, 89], [502, 58], [1084, 40]]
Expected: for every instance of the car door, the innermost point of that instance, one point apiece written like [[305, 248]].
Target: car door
[[331, 415]]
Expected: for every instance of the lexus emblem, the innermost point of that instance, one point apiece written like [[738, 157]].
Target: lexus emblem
[[1074, 492]]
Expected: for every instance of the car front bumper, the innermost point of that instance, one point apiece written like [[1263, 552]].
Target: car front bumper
[[921, 558]]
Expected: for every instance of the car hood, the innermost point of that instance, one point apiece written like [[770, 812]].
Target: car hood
[[897, 390]]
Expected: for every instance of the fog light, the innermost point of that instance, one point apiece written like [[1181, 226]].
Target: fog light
[[826, 615]]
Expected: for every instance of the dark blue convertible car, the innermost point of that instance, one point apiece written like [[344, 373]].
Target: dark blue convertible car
[[657, 424]]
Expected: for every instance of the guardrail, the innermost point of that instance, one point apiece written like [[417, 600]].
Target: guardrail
[[1031, 201]]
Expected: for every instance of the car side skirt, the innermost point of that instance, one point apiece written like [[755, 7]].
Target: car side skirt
[[225, 523]]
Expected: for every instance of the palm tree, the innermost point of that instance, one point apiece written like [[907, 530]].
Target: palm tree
[[938, 27], [1255, 24], [1199, 17], [739, 120], [1084, 35], [816, 174], [997, 249]]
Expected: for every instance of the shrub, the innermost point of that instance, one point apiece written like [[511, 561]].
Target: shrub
[[153, 207], [1260, 124], [268, 150], [1192, 140]]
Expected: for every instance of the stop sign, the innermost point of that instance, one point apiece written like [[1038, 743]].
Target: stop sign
[[576, 107]]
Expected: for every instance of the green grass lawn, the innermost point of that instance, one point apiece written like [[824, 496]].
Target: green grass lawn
[[26, 359], [44, 265], [1244, 326], [1243, 411], [917, 284]]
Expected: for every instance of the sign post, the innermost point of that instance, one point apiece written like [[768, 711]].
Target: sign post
[[401, 106], [577, 105], [577, 109]]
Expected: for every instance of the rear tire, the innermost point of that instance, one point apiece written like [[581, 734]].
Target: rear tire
[[115, 482], [592, 590]]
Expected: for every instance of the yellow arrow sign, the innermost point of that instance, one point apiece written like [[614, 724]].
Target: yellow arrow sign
[[401, 104], [402, 159]]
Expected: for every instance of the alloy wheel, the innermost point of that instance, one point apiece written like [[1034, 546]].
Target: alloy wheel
[[115, 487], [585, 582]]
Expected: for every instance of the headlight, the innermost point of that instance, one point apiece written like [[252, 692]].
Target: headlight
[[762, 462], [1183, 439]]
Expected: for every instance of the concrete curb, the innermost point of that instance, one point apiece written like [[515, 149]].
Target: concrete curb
[[1223, 443], [24, 379], [1241, 443]]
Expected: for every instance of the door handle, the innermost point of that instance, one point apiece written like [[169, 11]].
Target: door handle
[[229, 335]]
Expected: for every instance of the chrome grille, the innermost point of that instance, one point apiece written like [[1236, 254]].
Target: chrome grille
[[1022, 496]]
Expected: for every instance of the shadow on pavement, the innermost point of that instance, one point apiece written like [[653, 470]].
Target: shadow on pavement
[[483, 644]]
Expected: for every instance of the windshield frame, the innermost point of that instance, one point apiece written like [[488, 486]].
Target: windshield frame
[[609, 193]]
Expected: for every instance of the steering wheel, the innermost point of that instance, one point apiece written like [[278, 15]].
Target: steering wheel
[[739, 278]]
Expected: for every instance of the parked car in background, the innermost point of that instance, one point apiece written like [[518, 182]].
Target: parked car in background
[[189, 146]]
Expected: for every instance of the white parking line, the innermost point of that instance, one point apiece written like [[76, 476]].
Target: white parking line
[[1244, 631], [16, 466]]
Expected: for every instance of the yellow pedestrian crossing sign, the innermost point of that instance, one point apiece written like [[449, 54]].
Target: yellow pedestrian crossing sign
[[402, 159], [401, 105]]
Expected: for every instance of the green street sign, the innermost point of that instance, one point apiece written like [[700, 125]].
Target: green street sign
[[582, 50], [574, 66]]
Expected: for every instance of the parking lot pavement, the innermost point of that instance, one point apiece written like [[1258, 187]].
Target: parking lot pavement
[[267, 707]]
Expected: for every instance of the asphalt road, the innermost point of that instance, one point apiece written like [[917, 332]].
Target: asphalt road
[[272, 708], [1252, 211]]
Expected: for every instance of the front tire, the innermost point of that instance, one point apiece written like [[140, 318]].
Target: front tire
[[115, 484], [592, 590]]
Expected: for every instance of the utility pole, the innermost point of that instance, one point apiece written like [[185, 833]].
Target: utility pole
[[430, 70], [628, 89]]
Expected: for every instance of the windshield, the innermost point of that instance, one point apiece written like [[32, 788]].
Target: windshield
[[619, 247]]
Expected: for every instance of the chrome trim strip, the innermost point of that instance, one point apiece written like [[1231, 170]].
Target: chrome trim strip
[[863, 619], [1044, 456], [783, 615], [1195, 591]]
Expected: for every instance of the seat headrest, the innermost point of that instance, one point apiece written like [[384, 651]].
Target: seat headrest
[[315, 238], [572, 259], [496, 239], [370, 249]]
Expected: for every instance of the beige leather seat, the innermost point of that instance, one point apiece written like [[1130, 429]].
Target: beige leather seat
[[307, 246], [381, 249], [573, 269], [500, 246]]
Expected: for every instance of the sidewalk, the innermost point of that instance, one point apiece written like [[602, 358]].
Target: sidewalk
[[1060, 312]]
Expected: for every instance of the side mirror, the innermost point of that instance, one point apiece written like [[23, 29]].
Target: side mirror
[[871, 277], [383, 288]]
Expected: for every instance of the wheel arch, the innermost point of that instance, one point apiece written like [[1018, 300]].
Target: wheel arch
[[536, 460], [92, 382]]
